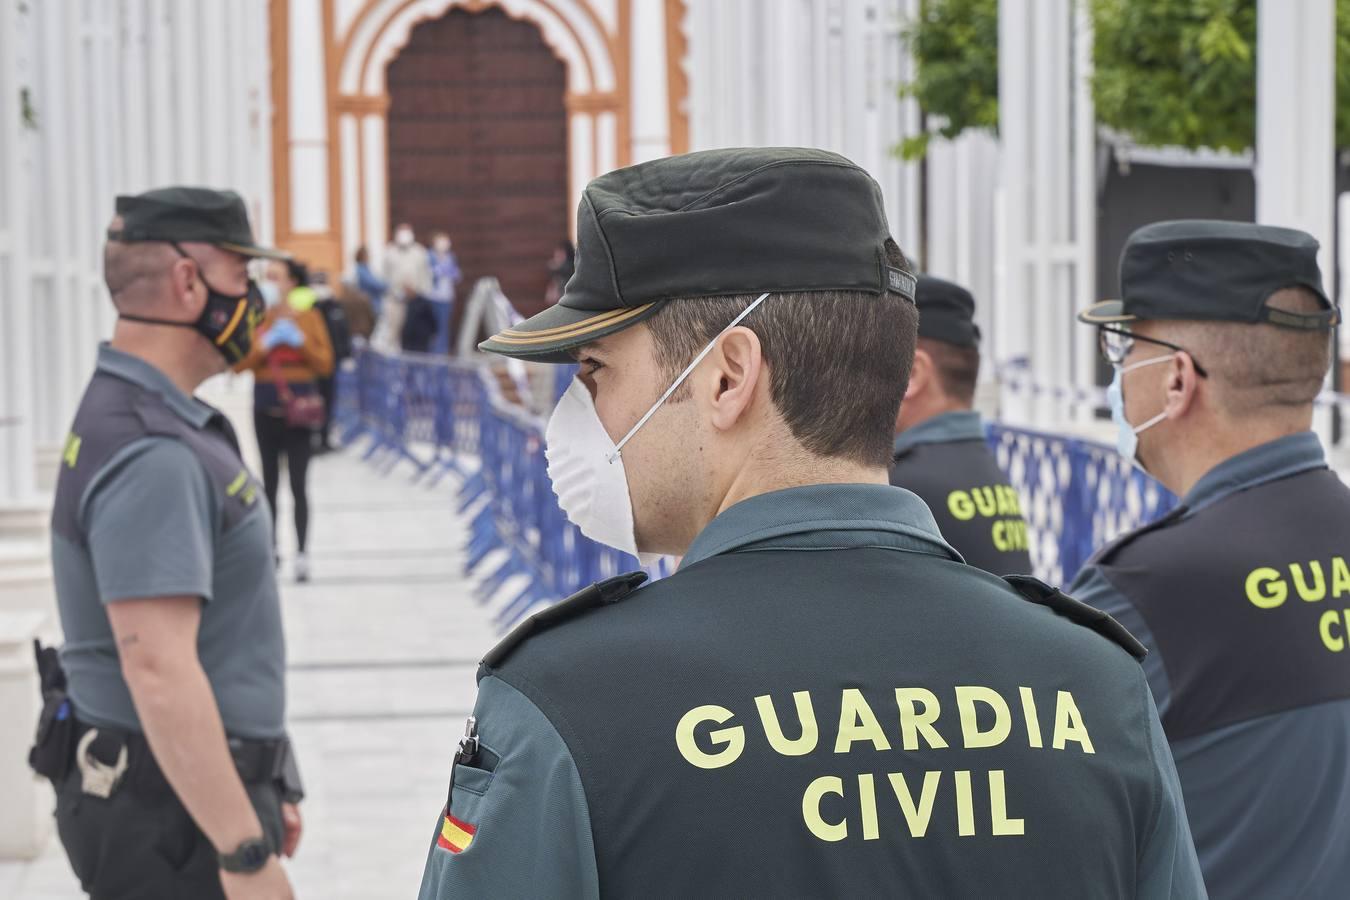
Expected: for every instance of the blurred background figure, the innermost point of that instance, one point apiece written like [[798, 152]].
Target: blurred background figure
[[340, 338], [445, 275], [357, 308], [291, 354], [407, 269], [560, 268], [367, 282], [421, 323]]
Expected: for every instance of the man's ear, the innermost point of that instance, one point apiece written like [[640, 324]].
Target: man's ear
[[189, 293], [1183, 385], [733, 373], [920, 374]]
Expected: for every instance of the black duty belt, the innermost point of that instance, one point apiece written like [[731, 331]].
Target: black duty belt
[[256, 761]]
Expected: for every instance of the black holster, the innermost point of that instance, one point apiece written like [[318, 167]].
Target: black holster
[[53, 749]]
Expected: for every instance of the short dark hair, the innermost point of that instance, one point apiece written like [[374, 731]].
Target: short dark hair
[[958, 368], [839, 361], [298, 272]]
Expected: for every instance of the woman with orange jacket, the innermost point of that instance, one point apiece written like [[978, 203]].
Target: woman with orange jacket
[[290, 354]]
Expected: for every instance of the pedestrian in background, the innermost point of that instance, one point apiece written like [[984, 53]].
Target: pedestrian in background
[[407, 271], [445, 275], [560, 268], [340, 339], [291, 354], [369, 283]]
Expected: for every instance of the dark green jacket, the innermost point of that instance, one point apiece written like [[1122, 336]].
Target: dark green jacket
[[823, 701]]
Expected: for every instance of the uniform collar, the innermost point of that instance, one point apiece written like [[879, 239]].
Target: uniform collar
[[941, 429], [139, 372], [823, 517], [1279, 458]]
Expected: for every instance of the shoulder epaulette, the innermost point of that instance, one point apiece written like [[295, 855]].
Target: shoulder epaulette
[[1104, 555], [1039, 592], [602, 593]]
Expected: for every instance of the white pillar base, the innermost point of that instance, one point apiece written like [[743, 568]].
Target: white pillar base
[[26, 814]]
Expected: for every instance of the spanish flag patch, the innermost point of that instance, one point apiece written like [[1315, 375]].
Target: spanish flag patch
[[456, 836]]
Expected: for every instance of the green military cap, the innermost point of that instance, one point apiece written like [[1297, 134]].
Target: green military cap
[[709, 224], [1214, 271], [189, 214], [947, 313]]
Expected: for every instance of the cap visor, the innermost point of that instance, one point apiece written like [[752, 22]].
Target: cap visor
[[548, 336], [1105, 313], [249, 250]]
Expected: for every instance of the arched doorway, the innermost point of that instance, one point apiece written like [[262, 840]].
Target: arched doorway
[[477, 146]]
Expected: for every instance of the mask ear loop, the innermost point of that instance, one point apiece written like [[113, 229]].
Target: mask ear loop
[[1139, 365], [618, 449]]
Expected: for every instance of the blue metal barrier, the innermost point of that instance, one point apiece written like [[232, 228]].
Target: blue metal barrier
[[1076, 496], [446, 417]]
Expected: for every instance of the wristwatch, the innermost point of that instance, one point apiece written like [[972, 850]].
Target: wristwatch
[[248, 857]]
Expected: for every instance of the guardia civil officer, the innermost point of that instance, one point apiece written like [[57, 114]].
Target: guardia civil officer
[[940, 449], [1220, 342], [823, 701], [167, 746]]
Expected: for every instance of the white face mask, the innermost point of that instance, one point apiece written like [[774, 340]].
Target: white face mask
[[271, 293], [586, 467], [1127, 436], [403, 237]]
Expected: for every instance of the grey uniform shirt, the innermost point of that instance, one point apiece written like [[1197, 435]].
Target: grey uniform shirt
[[154, 501], [1239, 595], [576, 791]]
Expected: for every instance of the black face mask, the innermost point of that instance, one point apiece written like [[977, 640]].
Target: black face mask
[[227, 322]]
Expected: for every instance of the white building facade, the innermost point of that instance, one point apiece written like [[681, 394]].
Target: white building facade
[[97, 99]]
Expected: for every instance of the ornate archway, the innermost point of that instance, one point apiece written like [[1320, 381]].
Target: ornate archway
[[596, 98], [330, 102]]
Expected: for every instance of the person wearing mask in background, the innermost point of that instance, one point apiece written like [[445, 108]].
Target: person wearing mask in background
[[1220, 343], [369, 283], [419, 323], [560, 269], [340, 339], [940, 450], [445, 275], [165, 734], [292, 352], [407, 271]]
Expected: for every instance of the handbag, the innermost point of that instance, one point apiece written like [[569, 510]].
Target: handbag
[[303, 411]]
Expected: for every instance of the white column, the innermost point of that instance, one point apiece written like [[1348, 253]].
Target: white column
[[188, 117], [650, 100], [164, 167], [349, 131], [582, 157], [374, 136], [308, 118], [17, 438], [134, 52], [1296, 118], [1047, 240], [1296, 129]]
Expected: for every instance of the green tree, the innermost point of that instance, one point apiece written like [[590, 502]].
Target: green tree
[[955, 48], [1177, 72], [1166, 72]]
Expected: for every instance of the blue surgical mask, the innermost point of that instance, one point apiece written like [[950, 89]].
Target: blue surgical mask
[[1127, 436]]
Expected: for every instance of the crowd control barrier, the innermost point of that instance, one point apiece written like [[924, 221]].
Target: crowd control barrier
[[439, 417]]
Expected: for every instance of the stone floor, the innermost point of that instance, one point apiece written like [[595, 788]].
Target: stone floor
[[383, 646]]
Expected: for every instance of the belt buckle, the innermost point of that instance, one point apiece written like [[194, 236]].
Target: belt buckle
[[98, 779]]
